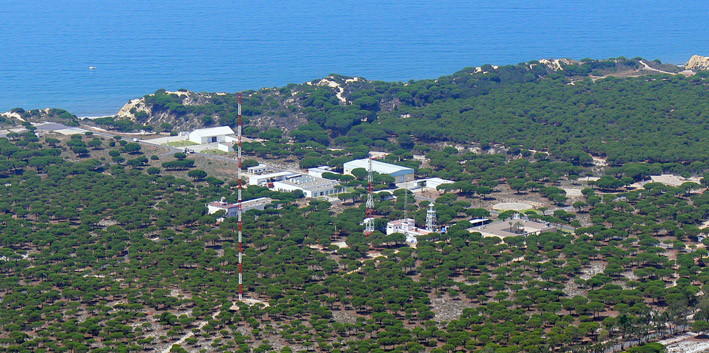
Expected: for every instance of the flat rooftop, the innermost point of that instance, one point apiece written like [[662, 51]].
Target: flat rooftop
[[310, 182], [271, 175], [322, 169], [244, 204], [377, 166], [213, 131], [430, 183]]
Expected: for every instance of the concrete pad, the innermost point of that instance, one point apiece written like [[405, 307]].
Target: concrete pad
[[165, 140], [50, 126], [71, 131], [570, 192]]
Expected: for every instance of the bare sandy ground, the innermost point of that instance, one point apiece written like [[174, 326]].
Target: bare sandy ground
[[512, 206], [571, 192], [687, 343], [673, 180]]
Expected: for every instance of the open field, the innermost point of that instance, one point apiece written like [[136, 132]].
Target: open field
[[215, 152], [183, 143]]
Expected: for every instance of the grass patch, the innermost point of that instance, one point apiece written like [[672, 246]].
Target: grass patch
[[183, 143], [215, 152]]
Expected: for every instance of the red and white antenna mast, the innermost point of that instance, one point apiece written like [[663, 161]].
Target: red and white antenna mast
[[369, 221], [238, 202]]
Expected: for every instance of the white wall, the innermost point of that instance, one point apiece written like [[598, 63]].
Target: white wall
[[225, 148], [288, 188], [207, 139], [308, 193], [229, 212]]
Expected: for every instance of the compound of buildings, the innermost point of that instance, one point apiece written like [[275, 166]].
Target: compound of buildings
[[310, 185], [406, 226]]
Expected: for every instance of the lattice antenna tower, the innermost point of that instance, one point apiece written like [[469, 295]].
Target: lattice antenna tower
[[369, 221], [406, 208], [431, 218], [239, 199]]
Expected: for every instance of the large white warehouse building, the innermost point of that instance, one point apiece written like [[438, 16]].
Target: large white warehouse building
[[400, 174], [223, 134]]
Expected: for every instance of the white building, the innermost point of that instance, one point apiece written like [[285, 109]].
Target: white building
[[317, 172], [424, 184], [268, 178], [221, 134], [259, 169], [400, 174], [477, 222], [232, 209], [407, 227], [310, 185]]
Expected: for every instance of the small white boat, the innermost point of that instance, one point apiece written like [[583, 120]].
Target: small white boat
[[92, 67]]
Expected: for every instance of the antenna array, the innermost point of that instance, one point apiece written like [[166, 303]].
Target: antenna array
[[369, 221]]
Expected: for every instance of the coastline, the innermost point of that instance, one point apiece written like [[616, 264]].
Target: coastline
[[87, 106]]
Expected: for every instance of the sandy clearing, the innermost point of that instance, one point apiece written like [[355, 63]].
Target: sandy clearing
[[336, 86], [341, 244], [512, 206], [672, 179], [595, 268], [554, 64], [378, 155], [599, 162], [13, 115], [647, 67], [252, 301]]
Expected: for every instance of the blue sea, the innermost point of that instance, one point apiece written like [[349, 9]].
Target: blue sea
[[139, 46]]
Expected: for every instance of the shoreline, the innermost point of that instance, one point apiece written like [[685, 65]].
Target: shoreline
[[105, 111]]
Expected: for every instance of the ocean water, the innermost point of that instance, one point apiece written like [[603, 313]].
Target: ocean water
[[138, 46]]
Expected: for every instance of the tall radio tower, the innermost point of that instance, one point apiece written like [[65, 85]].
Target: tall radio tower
[[238, 202], [369, 221]]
